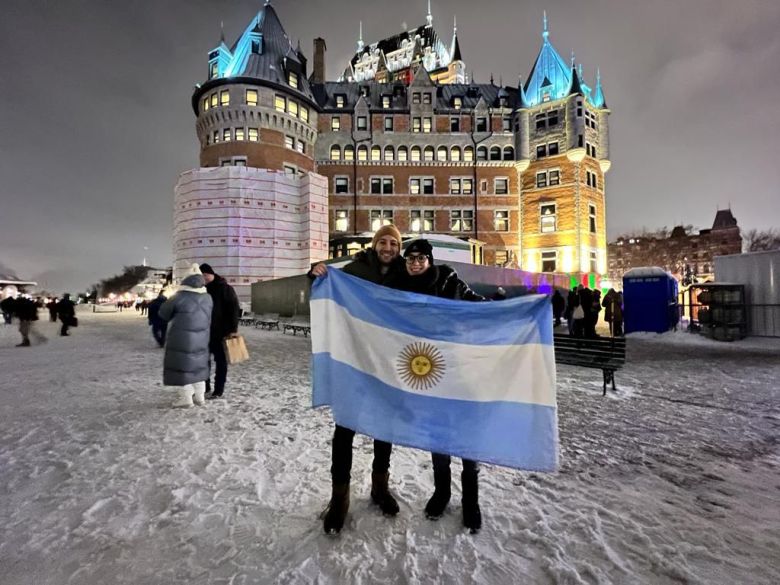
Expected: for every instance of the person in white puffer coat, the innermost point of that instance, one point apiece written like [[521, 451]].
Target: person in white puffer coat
[[186, 362]]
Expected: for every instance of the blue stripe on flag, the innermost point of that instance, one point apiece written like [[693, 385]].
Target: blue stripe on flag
[[523, 436], [526, 319]]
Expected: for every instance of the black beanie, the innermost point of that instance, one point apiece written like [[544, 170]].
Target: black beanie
[[420, 246], [206, 269]]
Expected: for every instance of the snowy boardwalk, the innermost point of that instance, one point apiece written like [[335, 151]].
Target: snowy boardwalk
[[676, 479]]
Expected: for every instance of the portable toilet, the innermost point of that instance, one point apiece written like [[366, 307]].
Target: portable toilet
[[649, 300]]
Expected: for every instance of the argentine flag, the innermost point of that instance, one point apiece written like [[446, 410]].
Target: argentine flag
[[474, 380]]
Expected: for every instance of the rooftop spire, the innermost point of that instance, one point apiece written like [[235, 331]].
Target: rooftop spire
[[222, 31], [545, 32], [360, 43], [572, 58], [455, 25], [429, 18]]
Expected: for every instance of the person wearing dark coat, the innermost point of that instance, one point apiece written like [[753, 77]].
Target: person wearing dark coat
[[66, 311], [158, 325], [186, 361], [224, 323], [377, 264], [558, 305], [422, 276], [26, 310], [7, 307], [52, 306]]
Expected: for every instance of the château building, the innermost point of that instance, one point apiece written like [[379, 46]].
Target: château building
[[295, 168]]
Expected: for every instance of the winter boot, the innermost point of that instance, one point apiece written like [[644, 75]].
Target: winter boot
[[441, 494], [183, 397], [472, 516], [381, 495], [337, 509], [25, 343], [199, 396]]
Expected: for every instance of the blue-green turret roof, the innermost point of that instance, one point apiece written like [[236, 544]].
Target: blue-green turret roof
[[550, 78]]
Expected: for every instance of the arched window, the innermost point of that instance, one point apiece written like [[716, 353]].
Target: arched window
[[482, 153], [441, 153], [428, 153], [455, 154], [416, 153], [509, 153], [468, 154], [495, 153], [362, 152], [335, 152], [389, 153], [376, 153], [349, 152], [403, 153]]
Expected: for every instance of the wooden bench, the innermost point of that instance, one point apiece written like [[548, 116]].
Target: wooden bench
[[267, 322], [607, 354], [246, 319], [296, 327]]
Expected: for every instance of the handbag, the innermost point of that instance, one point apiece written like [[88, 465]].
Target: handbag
[[74, 321], [579, 313], [235, 349]]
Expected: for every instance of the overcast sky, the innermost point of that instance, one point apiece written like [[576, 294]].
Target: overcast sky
[[97, 123]]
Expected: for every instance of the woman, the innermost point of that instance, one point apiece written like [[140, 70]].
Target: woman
[[186, 363], [423, 277]]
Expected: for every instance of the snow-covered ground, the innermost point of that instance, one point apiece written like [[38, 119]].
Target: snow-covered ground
[[674, 479]]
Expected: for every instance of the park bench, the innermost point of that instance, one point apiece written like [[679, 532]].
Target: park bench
[[247, 318], [267, 322], [296, 327], [607, 354]]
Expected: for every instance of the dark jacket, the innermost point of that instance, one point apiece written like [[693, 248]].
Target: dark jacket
[[366, 265], [187, 341], [558, 304], [7, 305], [153, 310], [26, 309], [438, 281], [226, 311], [66, 310]]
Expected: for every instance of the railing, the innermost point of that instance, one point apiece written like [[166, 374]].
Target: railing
[[763, 319]]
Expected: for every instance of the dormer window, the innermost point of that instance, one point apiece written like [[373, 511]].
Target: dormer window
[[213, 70], [292, 79], [364, 91], [426, 98], [340, 101], [385, 102], [256, 47], [457, 103]]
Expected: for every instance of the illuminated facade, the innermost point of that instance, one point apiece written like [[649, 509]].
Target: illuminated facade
[[405, 137]]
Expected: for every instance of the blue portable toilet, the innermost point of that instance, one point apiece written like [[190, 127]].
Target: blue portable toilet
[[649, 300]]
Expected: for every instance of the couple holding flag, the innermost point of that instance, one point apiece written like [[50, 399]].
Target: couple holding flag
[[475, 380]]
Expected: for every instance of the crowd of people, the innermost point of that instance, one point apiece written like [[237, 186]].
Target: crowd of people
[[25, 309], [582, 308]]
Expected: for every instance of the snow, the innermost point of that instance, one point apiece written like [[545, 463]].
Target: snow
[[673, 479]]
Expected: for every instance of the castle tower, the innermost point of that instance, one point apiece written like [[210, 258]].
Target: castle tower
[[562, 139], [255, 209]]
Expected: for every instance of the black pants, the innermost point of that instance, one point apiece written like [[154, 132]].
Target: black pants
[[221, 366], [441, 462], [158, 331], [341, 465], [65, 325]]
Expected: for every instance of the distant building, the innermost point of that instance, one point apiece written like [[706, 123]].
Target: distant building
[[689, 257], [294, 168], [11, 285]]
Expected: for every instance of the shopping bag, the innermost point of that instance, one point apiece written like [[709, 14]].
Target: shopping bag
[[74, 321], [235, 349]]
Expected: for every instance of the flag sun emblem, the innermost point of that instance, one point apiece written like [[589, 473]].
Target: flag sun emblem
[[421, 365]]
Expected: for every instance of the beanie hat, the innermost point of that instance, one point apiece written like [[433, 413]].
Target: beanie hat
[[195, 269], [386, 230], [420, 246], [205, 269]]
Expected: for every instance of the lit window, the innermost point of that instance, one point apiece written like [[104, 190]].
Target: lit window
[[388, 123], [253, 135], [305, 114], [416, 124], [389, 153], [226, 135], [549, 261], [501, 220], [416, 153], [205, 104], [428, 153], [216, 136], [461, 220], [340, 101], [426, 98], [335, 124], [341, 185], [592, 220], [554, 178], [541, 180], [362, 123], [224, 98], [380, 217], [251, 97], [467, 186], [441, 153], [548, 218], [414, 186], [300, 146], [292, 108], [593, 262], [213, 100], [403, 153], [502, 186], [280, 103], [421, 220], [416, 98], [289, 142], [376, 153], [362, 153], [468, 154], [349, 152], [239, 134], [457, 103], [455, 186], [342, 220], [455, 154], [385, 101], [427, 124], [213, 70], [506, 124], [292, 79]]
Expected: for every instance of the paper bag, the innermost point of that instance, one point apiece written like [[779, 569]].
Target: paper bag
[[235, 350]]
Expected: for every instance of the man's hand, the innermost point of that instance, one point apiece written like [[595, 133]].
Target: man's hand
[[320, 269]]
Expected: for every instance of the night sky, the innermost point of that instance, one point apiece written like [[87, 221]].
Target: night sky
[[97, 122]]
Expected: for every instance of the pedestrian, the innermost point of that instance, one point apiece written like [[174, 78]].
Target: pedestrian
[[144, 307], [52, 306], [186, 361], [579, 314], [66, 311], [7, 307], [376, 264], [571, 302], [27, 312], [224, 323], [617, 315], [158, 324], [422, 276], [593, 318], [558, 305]]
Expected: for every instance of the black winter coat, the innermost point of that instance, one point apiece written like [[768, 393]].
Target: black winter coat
[[226, 311], [66, 310], [438, 281], [26, 309]]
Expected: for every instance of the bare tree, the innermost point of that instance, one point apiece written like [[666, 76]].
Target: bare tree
[[760, 240]]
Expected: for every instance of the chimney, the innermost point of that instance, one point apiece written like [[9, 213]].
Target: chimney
[[318, 74]]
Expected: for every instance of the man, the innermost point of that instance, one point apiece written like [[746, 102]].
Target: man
[[66, 311], [224, 323], [27, 312], [159, 325], [378, 264], [7, 307]]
